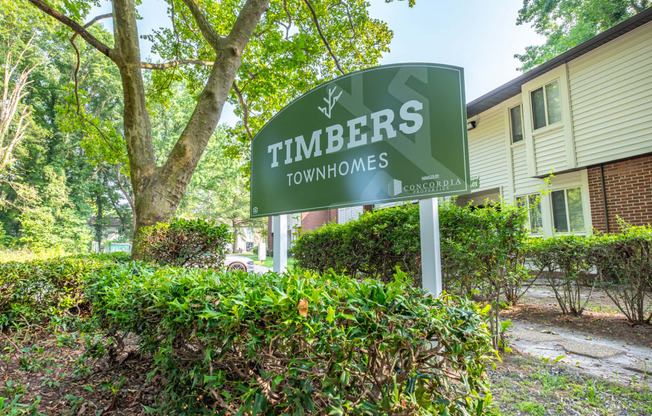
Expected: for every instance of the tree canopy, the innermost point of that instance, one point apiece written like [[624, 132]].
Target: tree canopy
[[567, 23], [257, 54]]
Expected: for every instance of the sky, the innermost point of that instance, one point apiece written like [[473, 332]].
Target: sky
[[480, 36]]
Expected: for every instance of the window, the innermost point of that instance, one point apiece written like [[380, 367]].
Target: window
[[516, 124], [533, 205], [567, 211], [546, 105]]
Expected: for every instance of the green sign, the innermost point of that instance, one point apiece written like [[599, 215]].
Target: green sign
[[389, 133]]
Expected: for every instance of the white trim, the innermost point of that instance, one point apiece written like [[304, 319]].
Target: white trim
[[567, 114]]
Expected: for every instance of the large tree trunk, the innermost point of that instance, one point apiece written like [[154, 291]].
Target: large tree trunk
[[158, 190]]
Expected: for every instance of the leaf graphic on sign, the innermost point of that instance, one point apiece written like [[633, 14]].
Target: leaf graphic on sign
[[330, 101], [303, 307]]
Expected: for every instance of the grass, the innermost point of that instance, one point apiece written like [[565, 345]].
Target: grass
[[526, 386], [269, 261]]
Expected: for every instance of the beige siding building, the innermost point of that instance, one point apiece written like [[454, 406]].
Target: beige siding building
[[586, 116]]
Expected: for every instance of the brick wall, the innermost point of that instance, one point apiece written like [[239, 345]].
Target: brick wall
[[315, 219], [628, 186], [310, 221]]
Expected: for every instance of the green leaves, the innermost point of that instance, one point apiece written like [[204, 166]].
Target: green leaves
[[185, 242], [44, 290], [566, 24], [362, 348]]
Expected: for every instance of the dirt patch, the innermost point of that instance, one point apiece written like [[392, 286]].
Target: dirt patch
[[46, 372], [600, 319]]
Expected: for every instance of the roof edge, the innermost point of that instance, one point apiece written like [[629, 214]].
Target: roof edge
[[513, 87]]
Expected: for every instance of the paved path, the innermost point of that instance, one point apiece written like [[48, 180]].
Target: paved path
[[261, 269], [594, 355]]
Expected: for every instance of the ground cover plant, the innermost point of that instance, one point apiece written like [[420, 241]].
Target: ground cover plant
[[524, 385]]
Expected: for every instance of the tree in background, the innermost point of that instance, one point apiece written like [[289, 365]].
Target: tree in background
[[218, 190], [19, 63], [50, 220], [566, 24], [291, 43], [50, 185]]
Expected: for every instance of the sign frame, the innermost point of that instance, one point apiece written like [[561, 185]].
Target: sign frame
[[275, 149]]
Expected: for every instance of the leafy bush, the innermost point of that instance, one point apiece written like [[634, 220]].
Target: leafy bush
[[564, 261], [624, 263], [299, 343], [41, 290], [483, 251], [181, 242], [372, 246]]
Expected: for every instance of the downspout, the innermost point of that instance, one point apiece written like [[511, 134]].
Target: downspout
[[604, 199]]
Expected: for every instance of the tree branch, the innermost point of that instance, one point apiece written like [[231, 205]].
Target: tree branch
[[323, 38], [289, 25], [186, 152], [245, 110], [208, 31], [18, 136], [97, 19], [174, 64], [76, 27], [244, 26], [80, 113]]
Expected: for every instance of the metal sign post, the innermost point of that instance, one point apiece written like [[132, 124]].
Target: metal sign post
[[280, 230], [430, 246]]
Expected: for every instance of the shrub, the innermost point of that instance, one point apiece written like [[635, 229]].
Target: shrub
[[41, 290], [624, 264], [372, 246], [181, 242], [299, 343], [564, 261], [482, 249], [483, 253]]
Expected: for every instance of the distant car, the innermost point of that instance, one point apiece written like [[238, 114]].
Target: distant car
[[238, 263]]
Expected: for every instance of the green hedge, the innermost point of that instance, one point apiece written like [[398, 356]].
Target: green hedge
[[477, 245], [299, 343], [372, 246], [624, 263], [40, 290], [184, 242]]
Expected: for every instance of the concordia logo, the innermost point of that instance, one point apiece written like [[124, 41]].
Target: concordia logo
[[395, 187]]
